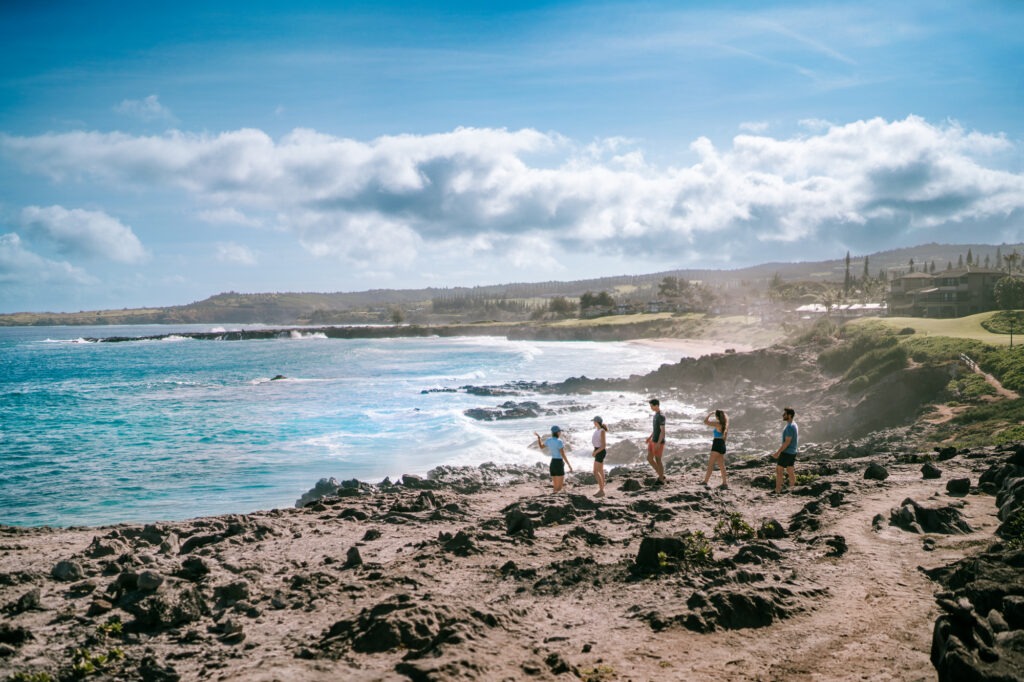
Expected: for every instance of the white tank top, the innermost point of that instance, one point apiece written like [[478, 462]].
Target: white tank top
[[597, 438]]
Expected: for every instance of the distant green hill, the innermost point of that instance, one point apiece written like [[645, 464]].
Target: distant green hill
[[379, 305]]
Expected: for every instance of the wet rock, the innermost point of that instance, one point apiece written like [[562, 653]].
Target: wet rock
[[918, 519], [372, 534], [876, 472], [507, 410], [929, 470], [958, 486], [67, 571], [323, 488], [944, 453]]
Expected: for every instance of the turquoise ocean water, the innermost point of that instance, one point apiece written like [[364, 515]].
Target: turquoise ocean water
[[98, 433]]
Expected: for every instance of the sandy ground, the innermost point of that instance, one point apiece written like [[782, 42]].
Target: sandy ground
[[564, 608]]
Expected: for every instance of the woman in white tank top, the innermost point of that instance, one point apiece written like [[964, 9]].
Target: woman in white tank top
[[600, 442]]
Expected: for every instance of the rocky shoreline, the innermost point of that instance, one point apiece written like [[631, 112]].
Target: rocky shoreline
[[888, 561], [483, 574]]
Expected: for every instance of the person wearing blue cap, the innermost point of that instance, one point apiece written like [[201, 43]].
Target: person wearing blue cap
[[556, 449]]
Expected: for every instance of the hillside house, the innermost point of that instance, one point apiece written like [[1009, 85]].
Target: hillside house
[[950, 293]]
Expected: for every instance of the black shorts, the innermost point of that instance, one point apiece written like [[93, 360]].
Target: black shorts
[[600, 455], [718, 445], [557, 467], [787, 459]]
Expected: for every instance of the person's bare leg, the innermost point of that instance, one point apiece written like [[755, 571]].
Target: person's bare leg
[[778, 479], [556, 481], [792, 476], [711, 468]]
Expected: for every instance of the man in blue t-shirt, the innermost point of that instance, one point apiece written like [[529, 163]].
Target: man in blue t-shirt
[[785, 456]]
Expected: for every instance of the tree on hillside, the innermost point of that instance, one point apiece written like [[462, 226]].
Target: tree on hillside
[[987, 261], [911, 264], [970, 258], [1009, 293], [561, 306], [846, 277], [960, 262], [1012, 261], [600, 300], [865, 275]]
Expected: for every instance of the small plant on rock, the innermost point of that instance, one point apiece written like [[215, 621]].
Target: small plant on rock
[[30, 677], [1013, 530], [733, 528], [85, 663], [806, 479]]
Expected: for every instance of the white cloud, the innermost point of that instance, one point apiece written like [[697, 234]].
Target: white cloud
[[80, 232], [147, 109], [19, 266], [754, 126], [230, 252], [867, 183]]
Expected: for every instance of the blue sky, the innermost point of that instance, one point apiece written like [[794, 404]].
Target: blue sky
[[158, 155]]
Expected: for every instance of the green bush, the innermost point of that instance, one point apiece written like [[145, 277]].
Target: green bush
[[858, 341], [30, 677], [859, 384], [970, 387], [942, 349], [877, 363], [1013, 530]]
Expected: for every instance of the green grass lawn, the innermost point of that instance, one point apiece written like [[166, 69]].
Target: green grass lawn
[[956, 327]]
